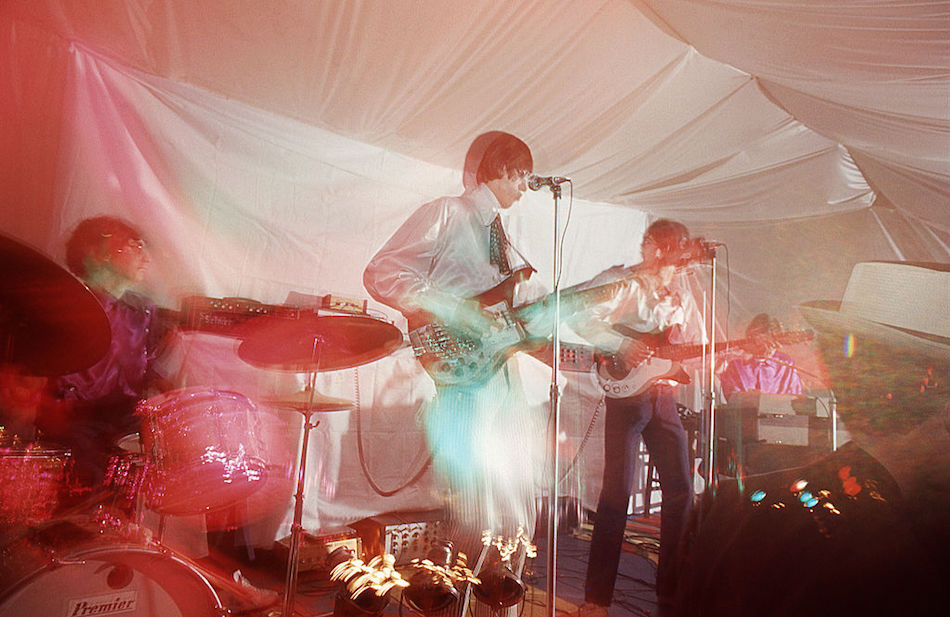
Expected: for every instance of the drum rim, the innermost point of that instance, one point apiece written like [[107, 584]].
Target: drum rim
[[84, 549], [46, 452], [163, 398]]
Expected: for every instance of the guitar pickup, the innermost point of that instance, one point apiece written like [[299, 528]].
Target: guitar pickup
[[433, 339]]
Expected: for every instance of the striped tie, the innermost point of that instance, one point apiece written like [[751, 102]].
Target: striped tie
[[498, 247]]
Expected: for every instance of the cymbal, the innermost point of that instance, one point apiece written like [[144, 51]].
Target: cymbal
[[314, 342], [307, 400], [50, 321]]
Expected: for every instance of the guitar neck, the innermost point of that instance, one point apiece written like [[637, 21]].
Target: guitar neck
[[573, 299], [691, 350]]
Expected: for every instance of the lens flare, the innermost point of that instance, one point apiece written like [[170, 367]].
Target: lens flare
[[848, 347]]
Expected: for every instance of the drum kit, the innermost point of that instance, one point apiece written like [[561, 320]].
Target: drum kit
[[200, 450]]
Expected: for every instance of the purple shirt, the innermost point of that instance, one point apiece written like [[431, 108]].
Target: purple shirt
[[763, 374], [121, 373]]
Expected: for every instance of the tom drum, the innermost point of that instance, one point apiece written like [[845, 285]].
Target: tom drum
[[204, 447]]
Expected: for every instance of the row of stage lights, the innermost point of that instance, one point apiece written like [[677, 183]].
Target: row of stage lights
[[436, 584]]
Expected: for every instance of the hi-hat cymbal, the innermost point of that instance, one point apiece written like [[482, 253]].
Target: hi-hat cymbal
[[311, 400], [50, 321], [314, 342]]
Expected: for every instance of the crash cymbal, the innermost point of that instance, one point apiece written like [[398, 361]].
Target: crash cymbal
[[314, 342], [311, 400], [50, 321]]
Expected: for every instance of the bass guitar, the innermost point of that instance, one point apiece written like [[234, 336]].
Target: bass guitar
[[619, 381], [454, 359]]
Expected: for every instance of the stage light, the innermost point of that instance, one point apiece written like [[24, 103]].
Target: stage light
[[433, 588], [366, 585], [499, 587]]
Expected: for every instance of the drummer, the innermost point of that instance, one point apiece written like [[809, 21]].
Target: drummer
[[96, 406]]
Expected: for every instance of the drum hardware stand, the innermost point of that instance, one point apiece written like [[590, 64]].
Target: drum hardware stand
[[312, 343], [296, 528]]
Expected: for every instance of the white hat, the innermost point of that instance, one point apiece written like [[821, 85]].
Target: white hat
[[900, 304]]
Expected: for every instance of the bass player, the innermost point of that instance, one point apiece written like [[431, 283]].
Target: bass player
[[450, 258], [654, 304]]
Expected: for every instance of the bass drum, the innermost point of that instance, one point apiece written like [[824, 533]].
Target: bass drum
[[130, 580]]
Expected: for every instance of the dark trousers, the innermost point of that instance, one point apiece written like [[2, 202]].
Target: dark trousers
[[652, 415]]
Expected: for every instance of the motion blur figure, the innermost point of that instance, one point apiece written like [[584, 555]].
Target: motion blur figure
[[486, 441], [763, 366], [96, 406], [653, 304], [863, 531]]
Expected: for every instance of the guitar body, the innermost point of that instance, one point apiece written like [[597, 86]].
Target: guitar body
[[454, 359], [617, 383]]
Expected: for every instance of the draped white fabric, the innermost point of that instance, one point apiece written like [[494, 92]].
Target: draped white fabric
[[269, 148], [870, 75]]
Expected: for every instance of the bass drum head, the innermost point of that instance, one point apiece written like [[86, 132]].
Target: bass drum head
[[129, 581]]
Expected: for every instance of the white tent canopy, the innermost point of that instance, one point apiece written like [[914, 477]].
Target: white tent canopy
[[732, 116], [271, 147]]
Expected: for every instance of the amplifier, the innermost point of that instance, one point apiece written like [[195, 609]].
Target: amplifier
[[745, 425], [316, 547], [224, 315], [778, 404], [404, 535]]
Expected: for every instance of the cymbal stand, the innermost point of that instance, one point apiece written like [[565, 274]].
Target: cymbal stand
[[296, 528]]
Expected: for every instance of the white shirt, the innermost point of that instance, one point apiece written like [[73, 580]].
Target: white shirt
[[640, 308], [441, 250]]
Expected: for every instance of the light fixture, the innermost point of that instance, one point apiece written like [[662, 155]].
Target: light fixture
[[433, 588], [499, 587], [366, 585]]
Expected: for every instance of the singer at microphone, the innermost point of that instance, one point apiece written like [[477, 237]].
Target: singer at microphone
[[535, 183], [698, 249]]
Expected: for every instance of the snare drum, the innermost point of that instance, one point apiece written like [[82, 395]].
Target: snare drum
[[204, 448], [84, 574], [32, 480]]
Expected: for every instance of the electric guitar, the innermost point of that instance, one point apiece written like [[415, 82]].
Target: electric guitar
[[619, 381], [452, 358]]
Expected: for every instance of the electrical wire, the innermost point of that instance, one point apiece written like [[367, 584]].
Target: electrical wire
[[362, 457]]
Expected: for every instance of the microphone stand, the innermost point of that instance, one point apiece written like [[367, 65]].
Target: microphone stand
[[552, 519], [710, 424]]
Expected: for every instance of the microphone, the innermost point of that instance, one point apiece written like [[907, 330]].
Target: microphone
[[535, 183], [698, 249]]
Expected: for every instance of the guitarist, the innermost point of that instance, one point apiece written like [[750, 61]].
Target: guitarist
[[653, 303], [485, 440], [763, 367]]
